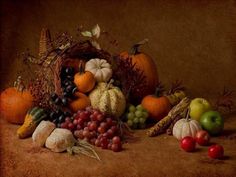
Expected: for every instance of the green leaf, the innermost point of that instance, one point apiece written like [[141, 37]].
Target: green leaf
[[96, 45], [96, 31], [86, 33]]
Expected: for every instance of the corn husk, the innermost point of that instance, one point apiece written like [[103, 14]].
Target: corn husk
[[162, 125]]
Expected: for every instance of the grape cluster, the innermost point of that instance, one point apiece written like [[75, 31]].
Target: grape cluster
[[95, 127], [136, 117], [58, 116], [67, 82], [68, 87]]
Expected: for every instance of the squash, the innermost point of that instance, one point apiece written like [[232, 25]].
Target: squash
[[100, 68], [84, 80], [186, 127], [32, 119], [157, 107], [145, 64], [108, 98], [81, 102], [15, 102]]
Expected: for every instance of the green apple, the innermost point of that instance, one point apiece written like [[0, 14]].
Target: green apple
[[212, 122], [198, 106]]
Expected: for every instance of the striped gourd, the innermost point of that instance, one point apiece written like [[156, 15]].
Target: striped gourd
[[32, 119], [108, 98]]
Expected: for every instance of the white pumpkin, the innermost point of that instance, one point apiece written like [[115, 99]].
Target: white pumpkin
[[100, 68], [185, 127], [108, 98]]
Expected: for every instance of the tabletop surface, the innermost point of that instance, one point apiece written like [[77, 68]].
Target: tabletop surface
[[142, 156]]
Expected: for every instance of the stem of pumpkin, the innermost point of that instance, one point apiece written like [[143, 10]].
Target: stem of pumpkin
[[81, 68], [134, 49], [157, 91], [109, 83], [187, 115]]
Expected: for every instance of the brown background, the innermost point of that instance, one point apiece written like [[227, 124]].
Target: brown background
[[190, 40]]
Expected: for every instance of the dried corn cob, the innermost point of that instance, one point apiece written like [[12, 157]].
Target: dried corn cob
[[163, 124], [170, 129]]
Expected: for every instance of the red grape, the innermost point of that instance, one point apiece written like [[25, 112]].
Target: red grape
[[116, 140], [76, 116], [101, 129], [86, 128], [76, 133], [79, 127], [114, 128], [75, 121], [92, 125], [80, 134], [110, 133], [96, 113], [85, 124], [86, 133], [67, 119], [116, 147], [100, 117], [109, 121], [93, 134], [89, 108], [88, 123], [105, 135], [92, 117], [64, 125], [71, 126], [103, 140], [104, 143], [99, 136], [104, 125], [87, 113], [84, 116], [80, 121]]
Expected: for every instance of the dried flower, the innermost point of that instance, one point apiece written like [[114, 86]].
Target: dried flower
[[225, 100], [133, 82]]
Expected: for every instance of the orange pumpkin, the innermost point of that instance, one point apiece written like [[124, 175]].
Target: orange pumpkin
[[14, 104], [84, 80], [81, 102], [144, 63], [157, 107]]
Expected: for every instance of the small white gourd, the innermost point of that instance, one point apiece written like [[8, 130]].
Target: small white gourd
[[186, 127], [100, 68]]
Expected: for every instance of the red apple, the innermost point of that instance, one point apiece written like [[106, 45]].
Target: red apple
[[202, 137], [216, 151], [188, 144]]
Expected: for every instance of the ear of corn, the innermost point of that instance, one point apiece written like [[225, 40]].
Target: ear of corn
[[163, 124]]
